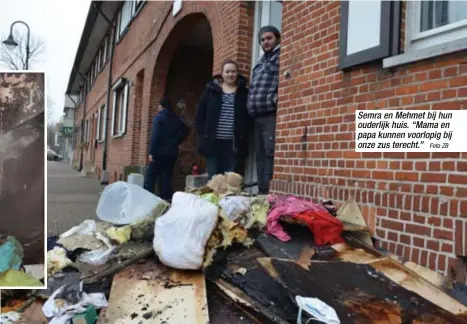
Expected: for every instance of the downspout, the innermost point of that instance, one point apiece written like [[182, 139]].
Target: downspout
[[80, 168], [104, 173], [74, 115]]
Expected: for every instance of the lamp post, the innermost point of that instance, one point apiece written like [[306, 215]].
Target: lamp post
[[11, 43]]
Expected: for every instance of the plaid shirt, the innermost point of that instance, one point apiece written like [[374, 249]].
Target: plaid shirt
[[262, 94]]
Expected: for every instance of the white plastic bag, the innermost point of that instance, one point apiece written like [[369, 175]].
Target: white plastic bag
[[96, 257], [62, 313], [318, 310], [124, 203], [87, 227], [235, 206], [180, 236]]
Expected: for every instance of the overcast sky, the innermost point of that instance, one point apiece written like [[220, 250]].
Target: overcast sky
[[60, 24]]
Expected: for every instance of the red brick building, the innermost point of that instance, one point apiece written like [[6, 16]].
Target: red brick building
[[336, 57]]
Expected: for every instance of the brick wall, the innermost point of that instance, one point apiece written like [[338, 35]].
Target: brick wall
[[415, 203], [143, 56]]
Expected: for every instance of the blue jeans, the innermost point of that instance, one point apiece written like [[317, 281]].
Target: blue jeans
[[222, 158], [160, 167]]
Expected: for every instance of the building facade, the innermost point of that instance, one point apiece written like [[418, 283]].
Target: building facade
[[413, 56], [65, 133]]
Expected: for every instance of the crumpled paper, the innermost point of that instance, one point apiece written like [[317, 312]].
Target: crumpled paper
[[119, 234], [57, 260], [225, 234], [258, 214], [211, 197], [62, 312], [87, 235], [235, 207], [230, 183]]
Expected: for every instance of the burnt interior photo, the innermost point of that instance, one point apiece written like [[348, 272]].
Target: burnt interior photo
[[22, 162]]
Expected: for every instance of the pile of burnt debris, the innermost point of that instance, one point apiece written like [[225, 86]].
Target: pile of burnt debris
[[219, 255]]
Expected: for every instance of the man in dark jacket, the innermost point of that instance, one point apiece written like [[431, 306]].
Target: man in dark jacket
[[262, 104], [168, 132]]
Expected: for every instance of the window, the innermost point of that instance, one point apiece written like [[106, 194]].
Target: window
[[128, 11], [97, 63], [120, 107], [95, 126], [101, 58], [369, 31], [137, 6], [68, 113], [104, 52], [109, 45], [266, 13], [431, 23], [125, 16], [433, 28], [92, 75], [86, 131], [101, 125]]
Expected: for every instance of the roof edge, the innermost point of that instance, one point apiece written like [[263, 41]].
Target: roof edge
[[87, 30]]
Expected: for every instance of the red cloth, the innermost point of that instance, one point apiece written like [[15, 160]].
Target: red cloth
[[325, 228]]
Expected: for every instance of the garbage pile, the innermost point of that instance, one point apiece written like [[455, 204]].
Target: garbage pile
[[274, 259]]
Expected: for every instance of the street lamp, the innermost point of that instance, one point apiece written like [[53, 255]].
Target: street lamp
[[11, 43]]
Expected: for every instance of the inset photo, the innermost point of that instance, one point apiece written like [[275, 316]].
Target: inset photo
[[22, 186]]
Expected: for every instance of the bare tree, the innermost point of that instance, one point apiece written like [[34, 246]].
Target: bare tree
[[15, 59]]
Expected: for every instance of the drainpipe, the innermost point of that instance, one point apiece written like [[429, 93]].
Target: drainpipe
[[82, 120], [104, 173], [74, 115]]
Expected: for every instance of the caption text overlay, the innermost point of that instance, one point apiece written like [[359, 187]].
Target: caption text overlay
[[411, 130]]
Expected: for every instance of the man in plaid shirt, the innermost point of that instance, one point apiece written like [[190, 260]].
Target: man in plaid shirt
[[262, 104]]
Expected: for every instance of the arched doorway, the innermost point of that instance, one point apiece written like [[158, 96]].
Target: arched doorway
[[183, 67]]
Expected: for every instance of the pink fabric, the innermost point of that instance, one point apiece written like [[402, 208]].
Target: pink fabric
[[327, 229]]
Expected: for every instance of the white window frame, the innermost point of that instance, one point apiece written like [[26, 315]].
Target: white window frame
[[415, 39], [133, 10], [102, 116], [104, 51], [262, 13], [137, 6], [431, 43], [96, 124], [127, 15], [121, 85]]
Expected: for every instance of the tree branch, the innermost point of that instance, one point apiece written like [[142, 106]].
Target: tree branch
[[15, 59]]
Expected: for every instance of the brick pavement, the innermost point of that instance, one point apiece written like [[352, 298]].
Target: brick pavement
[[71, 198]]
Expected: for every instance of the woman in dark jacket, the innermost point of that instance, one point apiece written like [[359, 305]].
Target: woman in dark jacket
[[222, 121]]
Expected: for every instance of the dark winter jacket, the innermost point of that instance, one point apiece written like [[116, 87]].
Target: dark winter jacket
[[168, 132], [208, 112], [262, 98]]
